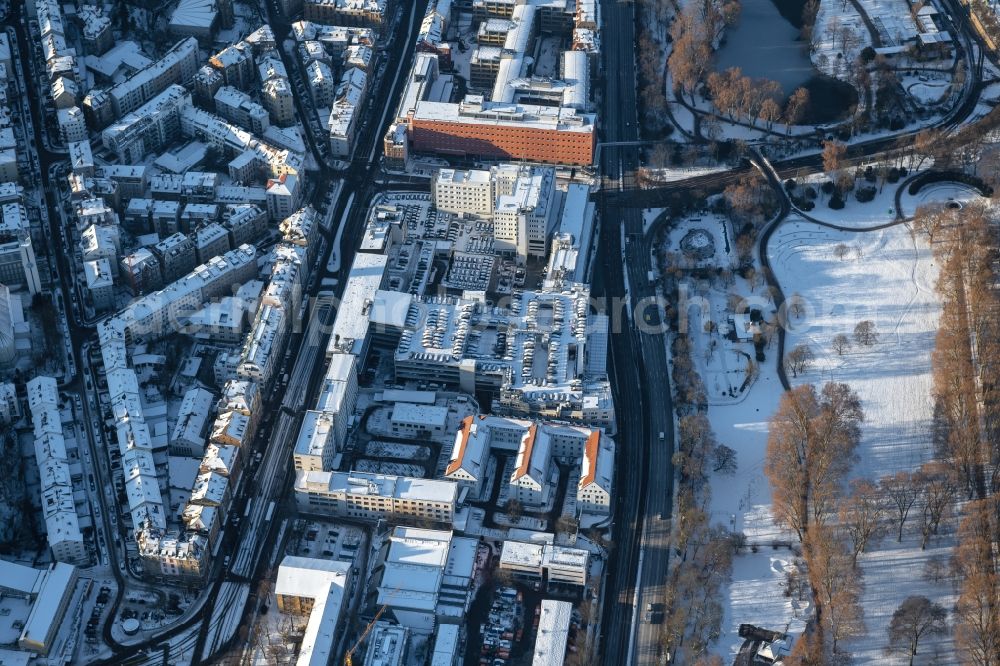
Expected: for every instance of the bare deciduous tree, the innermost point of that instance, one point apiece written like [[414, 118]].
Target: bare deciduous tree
[[837, 586], [799, 359], [862, 516], [796, 305], [810, 448], [915, 618], [901, 491], [865, 333], [977, 614], [725, 460], [796, 107], [938, 489], [841, 343], [834, 153]]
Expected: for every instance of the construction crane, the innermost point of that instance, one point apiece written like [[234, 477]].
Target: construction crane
[[349, 656]]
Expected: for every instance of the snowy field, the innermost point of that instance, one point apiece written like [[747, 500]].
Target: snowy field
[[938, 193], [888, 277], [890, 281], [832, 21], [742, 502]]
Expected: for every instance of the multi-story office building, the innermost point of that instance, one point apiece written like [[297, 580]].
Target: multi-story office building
[[323, 433], [427, 578], [525, 210], [463, 192], [569, 383], [545, 563], [317, 588], [365, 496], [504, 131]]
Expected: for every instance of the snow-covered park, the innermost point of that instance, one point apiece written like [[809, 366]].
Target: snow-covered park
[[888, 276]]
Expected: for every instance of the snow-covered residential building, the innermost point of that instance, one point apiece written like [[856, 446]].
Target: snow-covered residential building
[[100, 282], [346, 110], [232, 428], [62, 523], [72, 124], [321, 82], [101, 242], [236, 65], [178, 65], [149, 128], [188, 437], [262, 348], [284, 195], [593, 494], [366, 13], [529, 482], [244, 397], [469, 455], [237, 106], [10, 406], [279, 100]]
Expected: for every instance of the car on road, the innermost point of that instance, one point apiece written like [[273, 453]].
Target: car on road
[[654, 613]]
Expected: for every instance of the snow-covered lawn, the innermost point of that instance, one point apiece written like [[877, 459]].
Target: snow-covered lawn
[[834, 18], [855, 214], [890, 280], [756, 594], [926, 89], [939, 193], [888, 277], [739, 418]]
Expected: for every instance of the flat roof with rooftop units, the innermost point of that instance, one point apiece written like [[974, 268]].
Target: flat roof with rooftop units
[[350, 328], [553, 633]]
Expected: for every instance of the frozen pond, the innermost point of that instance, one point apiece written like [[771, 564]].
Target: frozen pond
[[766, 44]]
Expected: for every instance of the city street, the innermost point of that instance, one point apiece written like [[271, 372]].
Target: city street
[[638, 564]]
